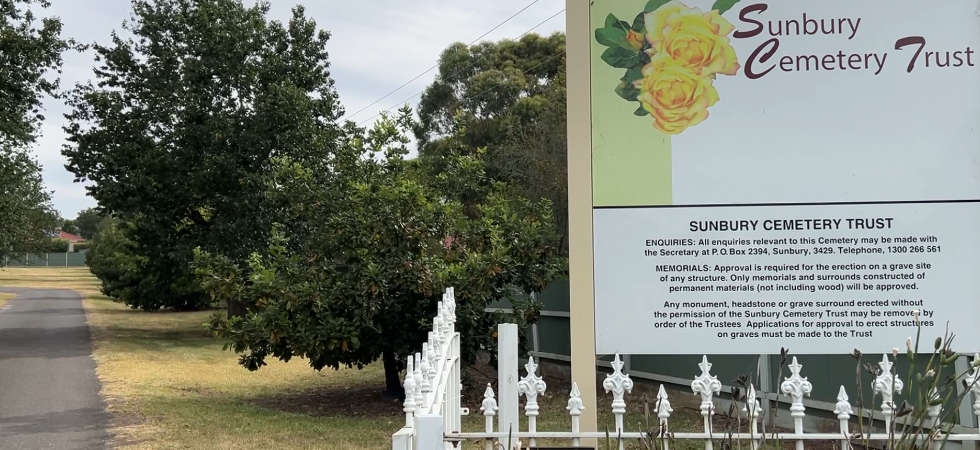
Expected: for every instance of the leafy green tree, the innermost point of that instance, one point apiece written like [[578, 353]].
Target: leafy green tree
[[508, 98], [113, 259], [183, 122], [68, 226], [364, 245], [30, 53], [27, 218], [87, 222]]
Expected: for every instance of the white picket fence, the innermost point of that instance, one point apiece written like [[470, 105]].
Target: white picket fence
[[433, 409]]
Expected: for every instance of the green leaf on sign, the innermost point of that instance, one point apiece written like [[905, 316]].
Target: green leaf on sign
[[627, 91], [653, 5], [723, 5], [611, 21], [613, 34], [639, 23], [641, 112], [620, 57], [633, 74]]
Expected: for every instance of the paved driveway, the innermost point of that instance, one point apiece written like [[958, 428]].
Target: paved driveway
[[49, 393]]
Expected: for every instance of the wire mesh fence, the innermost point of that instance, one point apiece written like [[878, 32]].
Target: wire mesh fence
[[60, 259]]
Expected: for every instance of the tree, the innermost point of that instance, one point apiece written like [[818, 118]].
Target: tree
[[509, 98], [26, 216], [30, 52], [184, 121], [87, 222], [68, 226], [113, 259], [363, 247]]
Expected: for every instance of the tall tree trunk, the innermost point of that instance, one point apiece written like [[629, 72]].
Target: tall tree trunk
[[393, 367]]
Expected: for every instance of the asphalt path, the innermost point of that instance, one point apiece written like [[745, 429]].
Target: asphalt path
[[49, 393]]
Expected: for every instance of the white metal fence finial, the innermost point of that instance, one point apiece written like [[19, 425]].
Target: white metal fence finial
[[663, 410], [418, 376], [797, 387], [887, 384], [530, 386], [973, 381], [753, 409], [706, 385], [489, 405], [843, 407], [844, 410], [408, 406], [427, 371], [489, 409], [575, 407], [619, 384]]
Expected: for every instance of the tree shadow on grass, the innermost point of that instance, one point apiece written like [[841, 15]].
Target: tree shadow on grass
[[155, 339], [331, 401]]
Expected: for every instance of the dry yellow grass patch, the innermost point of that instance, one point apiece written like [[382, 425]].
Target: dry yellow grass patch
[[77, 278], [169, 383]]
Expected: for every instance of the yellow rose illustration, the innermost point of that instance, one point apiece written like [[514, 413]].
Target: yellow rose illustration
[[635, 39], [676, 96], [696, 39], [672, 54]]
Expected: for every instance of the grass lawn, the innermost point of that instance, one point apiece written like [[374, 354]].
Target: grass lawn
[[169, 384]]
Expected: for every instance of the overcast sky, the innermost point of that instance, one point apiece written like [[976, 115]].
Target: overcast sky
[[376, 46]]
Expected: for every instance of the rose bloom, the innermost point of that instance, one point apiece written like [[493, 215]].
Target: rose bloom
[[697, 39], [635, 39], [674, 95]]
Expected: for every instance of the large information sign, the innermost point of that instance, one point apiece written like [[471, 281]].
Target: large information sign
[[784, 173]]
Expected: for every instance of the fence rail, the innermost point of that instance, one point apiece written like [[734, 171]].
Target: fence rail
[[433, 410], [54, 259]]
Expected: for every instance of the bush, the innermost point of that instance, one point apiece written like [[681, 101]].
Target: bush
[[132, 276], [55, 246]]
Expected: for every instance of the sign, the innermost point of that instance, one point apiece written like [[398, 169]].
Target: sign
[[772, 174]]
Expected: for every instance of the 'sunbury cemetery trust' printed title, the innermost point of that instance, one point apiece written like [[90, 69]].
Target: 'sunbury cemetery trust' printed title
[[767, 56]]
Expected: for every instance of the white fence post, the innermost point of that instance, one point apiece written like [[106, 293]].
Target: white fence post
[[575, 408], [707, 386], [507, 417], [663, 410], [887, 384], [752, 409], [409, 405], [429, 432], [489, 409], [796, 387], [619, 384], [530, 386], [844, 410], [974, 382], [402, 440]]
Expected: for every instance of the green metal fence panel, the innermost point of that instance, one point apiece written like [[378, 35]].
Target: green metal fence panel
[[553, 335], [77, 259]]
